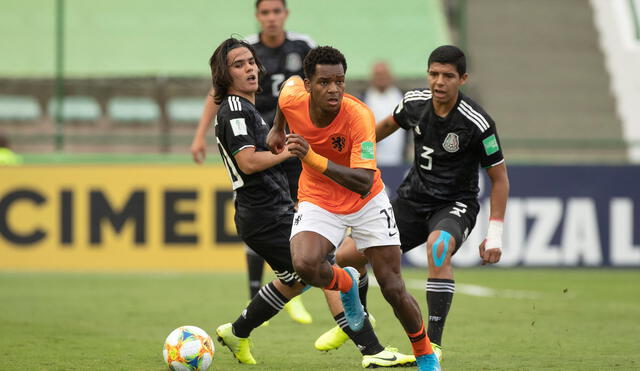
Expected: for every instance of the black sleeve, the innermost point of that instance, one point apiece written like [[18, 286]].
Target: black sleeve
[[490, 150], [407, 113], [238, 130]]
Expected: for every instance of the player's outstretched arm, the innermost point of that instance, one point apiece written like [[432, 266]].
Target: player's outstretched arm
[[356, 180], [491, 247], [251, 161], [199, 143], [276, 138], [385, 128]]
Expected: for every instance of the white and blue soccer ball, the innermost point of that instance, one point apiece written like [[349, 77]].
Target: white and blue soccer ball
[[188, 348]]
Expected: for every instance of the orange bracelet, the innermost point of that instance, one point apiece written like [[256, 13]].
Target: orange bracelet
[[316, 161]]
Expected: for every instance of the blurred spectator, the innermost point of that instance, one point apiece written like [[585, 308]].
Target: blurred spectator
[[7, 156], [382, 97]]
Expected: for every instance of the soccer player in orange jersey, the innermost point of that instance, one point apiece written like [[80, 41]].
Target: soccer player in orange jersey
[[333, 134]]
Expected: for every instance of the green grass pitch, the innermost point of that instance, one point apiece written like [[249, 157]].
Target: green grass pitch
[[534, 319]]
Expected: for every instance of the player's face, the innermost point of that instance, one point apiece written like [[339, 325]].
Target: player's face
[[327, 86], [444, 82], [271, 14], [243, 70]]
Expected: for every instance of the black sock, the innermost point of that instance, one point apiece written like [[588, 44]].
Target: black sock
[[365, 339], [363, 287], [439, 297], [266, 304], [255, 267]]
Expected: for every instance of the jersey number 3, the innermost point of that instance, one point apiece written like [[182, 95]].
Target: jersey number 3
[[426, 151]]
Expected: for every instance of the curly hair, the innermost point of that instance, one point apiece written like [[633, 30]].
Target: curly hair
[[220, 76], [322, 55]]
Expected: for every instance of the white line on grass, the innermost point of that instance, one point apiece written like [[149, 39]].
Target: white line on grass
[[472, 290]]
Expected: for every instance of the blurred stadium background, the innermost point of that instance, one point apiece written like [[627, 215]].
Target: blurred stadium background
[[101, 100]]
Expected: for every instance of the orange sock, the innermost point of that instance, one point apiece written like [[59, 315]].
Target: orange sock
[[341, 280], [420, 342]]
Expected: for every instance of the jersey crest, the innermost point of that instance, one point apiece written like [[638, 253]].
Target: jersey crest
[[451, 143], [338, 142]]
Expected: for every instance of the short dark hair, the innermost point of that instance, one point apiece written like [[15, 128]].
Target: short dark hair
[[220, 76], [322, 55], [284, 2], [449, 54]]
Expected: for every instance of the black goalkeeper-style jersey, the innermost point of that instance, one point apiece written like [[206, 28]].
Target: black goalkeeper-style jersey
[[447, 151], [279, 63], [264, 194]]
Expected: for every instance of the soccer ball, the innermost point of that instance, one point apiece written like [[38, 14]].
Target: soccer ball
[[188, 348]]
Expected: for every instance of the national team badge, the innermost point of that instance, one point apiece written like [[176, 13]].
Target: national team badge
[[338, 142], [451, 143], [294, 63]]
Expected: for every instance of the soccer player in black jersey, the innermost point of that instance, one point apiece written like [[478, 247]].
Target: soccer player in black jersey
[[281, 53], [264, 208], [438, 200]]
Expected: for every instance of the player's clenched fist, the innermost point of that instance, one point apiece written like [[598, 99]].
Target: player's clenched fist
[[276, 140], [297, 145]]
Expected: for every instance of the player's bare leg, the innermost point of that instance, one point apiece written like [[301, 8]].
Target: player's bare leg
[[385, 261], [309, 251]]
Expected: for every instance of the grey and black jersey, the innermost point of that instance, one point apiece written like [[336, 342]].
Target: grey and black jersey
[[448, 151], [238, 125], [279, 63]]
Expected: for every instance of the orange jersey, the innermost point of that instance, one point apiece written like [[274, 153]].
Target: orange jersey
[[350, 140]]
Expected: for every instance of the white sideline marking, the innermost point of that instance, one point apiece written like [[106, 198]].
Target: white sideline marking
[[472, 290]]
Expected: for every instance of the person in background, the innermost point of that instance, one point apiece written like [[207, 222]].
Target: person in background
[[382, 96]]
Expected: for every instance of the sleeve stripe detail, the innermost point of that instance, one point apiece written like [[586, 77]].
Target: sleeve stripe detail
[[243, 147], [417, 93], [301, 37], [497, 163], [417, 98], [234, 103], [474, 116], [476, 113]]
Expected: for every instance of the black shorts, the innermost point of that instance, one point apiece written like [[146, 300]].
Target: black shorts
[[272, 244], [415, 222]]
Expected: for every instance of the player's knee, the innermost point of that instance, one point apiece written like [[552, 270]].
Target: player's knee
[[440, 247], [306, 269]]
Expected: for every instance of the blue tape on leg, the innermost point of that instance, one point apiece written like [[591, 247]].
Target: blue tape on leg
[[444, 237]]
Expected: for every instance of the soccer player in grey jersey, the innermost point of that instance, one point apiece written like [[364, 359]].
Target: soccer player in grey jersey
[[438, 200]]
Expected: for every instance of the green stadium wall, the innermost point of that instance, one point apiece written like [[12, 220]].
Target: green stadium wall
[[175, 38]]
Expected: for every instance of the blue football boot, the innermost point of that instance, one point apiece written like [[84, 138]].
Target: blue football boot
[[428, 362], [353, 309]]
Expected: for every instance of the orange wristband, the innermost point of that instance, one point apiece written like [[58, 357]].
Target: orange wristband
[[316, 161]]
